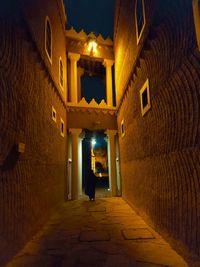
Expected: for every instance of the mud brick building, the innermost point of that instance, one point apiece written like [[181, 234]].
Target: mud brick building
[[153, 131]]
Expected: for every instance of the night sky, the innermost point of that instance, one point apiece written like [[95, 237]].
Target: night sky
[[93, 87], [91, 15]]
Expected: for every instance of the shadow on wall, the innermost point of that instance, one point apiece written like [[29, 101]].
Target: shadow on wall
[[11, 160]]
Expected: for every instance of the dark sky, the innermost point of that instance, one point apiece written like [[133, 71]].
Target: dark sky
[[93, 87], [91, 15]]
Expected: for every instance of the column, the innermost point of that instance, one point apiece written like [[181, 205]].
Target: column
[[80, 74], [80, 178], [69, 168], [75, 160], [73, 76], [118, 175], [108, 65], [112, 161]]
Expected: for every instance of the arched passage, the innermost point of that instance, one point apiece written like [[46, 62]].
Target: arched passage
[[96, 150]]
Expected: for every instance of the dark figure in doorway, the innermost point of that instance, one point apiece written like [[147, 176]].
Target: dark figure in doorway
[[90, 185]]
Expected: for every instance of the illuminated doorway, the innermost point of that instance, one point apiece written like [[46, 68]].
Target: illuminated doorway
[[95, 157]]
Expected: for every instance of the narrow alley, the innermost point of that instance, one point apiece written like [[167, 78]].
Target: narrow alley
[[106, 232], [100, 95]]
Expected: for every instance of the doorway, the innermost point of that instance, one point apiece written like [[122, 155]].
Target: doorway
[[95, 157]]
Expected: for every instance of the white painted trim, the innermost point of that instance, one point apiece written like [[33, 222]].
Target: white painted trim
[[48, 56], [53, 111], [62, 133], [138, 37], [148, 106], [122, 132], [196, 14], [62, 86]]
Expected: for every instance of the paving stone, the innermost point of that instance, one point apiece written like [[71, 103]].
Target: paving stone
[[88, 236], [107, 247], [56, 252], [96, 209], [85, 234], [81, 246], [149, 264], [87, 228], [117, 261], [98, 216], [116, 213], [157, 254], [90, 257], [37, 261], [137, 233]]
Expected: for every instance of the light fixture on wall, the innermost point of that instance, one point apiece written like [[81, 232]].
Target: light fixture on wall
[[92, 46], [20, 148], [93, 142]]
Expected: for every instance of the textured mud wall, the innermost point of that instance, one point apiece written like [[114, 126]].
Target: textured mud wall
[[32, 183], [35, 13], [160, 156]]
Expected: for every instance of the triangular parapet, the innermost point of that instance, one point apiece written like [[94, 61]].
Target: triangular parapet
[[83, 103], [72, 33], [76, 42], [91, 105], [103, 104], [82, 36]]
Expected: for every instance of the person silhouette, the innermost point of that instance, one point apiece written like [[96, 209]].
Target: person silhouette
[[90, 185]]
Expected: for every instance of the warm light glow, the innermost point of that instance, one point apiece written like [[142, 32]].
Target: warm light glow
[[93, 142], [92, 46]]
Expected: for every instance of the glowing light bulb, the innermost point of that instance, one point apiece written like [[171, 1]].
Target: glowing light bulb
[[93, 142], [92, 46]]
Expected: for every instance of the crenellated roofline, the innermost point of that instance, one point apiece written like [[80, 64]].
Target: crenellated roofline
[[83, 36]]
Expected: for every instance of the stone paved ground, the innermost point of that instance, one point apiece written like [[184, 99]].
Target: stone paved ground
[[106, 232]]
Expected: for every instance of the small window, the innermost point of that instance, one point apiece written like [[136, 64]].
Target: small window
[[122, 128], [196, 14], [61, 73], [53, 114], [62, 128], [140, 20], [145, 98], [48, 39]]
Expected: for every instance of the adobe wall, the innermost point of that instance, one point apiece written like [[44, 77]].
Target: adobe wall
[[160, 159], [35, 13], [92, 119], [32, 184]]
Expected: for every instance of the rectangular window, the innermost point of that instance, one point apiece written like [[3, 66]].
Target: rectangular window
[[53, 114], [61, 73], [140, 20], [48, 39], [145, 98], [196, 14], [62, 127], [122, 128]]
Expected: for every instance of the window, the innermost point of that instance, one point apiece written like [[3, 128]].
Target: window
[[196, 14], [140, 20], [145, 98], [61, 73], [48, 39], [53, 114], [62, 127], [122, 128]]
